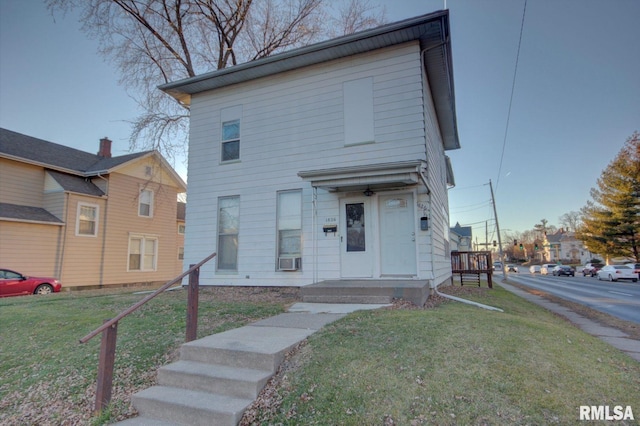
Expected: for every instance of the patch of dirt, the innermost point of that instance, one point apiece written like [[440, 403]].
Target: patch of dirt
[[251, 294]]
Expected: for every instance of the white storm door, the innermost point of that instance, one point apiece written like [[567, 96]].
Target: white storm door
[[356, 254], [397, 235]]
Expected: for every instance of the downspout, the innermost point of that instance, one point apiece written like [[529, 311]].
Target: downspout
[[469, 302], [104, 231], [64, 235], [314, 231]]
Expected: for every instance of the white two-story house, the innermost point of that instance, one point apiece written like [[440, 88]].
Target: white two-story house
[[326, 162]]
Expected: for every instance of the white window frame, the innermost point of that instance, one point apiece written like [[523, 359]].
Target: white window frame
[[151, 201], [145, 239], [280, 218], [226, 234], [228, 116], [96, 219], [230, 140]]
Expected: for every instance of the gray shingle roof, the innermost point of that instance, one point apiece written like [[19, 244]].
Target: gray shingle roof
[[76, 184], [463, 231], [57, 156], [28, 213]]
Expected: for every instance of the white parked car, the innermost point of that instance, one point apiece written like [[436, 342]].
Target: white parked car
[[547, 268], [635, 267], [534, 269], [617, 272]]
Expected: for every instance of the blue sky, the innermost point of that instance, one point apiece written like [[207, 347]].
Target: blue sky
[[576, 97]]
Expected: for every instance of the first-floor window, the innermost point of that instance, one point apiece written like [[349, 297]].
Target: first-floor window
[[289, 223], [143, 253], [228, 228], [180, 253]]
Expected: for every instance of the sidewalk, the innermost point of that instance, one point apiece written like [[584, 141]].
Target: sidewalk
[[610, 335]]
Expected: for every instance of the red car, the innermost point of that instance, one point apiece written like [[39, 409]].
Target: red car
[[13, 283]]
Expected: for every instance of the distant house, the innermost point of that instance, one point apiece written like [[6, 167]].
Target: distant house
[[88, 219], [562, 246], [461, 238], [325, 162]]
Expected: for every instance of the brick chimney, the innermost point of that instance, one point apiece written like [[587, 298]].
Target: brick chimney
[[105, 148]]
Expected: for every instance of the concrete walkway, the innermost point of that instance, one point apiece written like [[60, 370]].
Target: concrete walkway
[[610, 335], [218, 376]]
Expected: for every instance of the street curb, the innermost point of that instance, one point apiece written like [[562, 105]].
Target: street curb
[[609, 335]]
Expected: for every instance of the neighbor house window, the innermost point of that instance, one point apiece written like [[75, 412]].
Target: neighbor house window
[[145, 203], [87, 220], [143, 253], [228, 221], [181, 228], [230, 122], [180, 253], [289, 223]]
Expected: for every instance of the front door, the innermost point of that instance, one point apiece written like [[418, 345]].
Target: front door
[[356, 239], [397, 235]]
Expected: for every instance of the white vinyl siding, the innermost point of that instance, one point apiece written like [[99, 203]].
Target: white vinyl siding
[[295, 122], [87, 220], [358, 111]]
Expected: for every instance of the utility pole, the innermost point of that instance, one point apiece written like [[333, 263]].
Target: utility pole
[[495, 214]]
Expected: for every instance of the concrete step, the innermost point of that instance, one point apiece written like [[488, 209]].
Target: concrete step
[[144, 421], [259, 348], [364, 299], [366, 291], [231, 381], [189, 407]]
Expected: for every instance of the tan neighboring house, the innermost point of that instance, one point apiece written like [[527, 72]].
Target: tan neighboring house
[[88, 219]]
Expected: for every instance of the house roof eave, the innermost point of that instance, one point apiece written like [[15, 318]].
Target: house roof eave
[[430, 30]]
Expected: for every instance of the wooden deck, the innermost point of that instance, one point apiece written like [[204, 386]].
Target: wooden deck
[[470, 265]]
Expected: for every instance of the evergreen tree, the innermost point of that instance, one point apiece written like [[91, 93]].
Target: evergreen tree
[[611, 221]]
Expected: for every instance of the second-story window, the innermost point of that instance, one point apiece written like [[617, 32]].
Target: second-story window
[[87, 222], [145, 203], [231, 140], [230, 118]]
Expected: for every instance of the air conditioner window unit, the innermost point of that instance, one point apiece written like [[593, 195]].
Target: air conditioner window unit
[[288, 263]]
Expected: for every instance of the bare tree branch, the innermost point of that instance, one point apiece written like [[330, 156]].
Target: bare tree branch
[[158, 41]]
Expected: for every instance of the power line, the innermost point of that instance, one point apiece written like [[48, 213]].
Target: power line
[[513, 85]]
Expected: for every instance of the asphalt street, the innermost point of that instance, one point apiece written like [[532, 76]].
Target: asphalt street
[[620, 299]]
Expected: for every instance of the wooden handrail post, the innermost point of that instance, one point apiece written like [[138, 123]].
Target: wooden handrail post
[[105, 366], [192, 304]]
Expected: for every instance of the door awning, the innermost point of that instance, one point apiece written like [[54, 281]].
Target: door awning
[[372, 176]]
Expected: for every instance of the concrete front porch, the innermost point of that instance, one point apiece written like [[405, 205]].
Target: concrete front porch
[[366, 291]]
